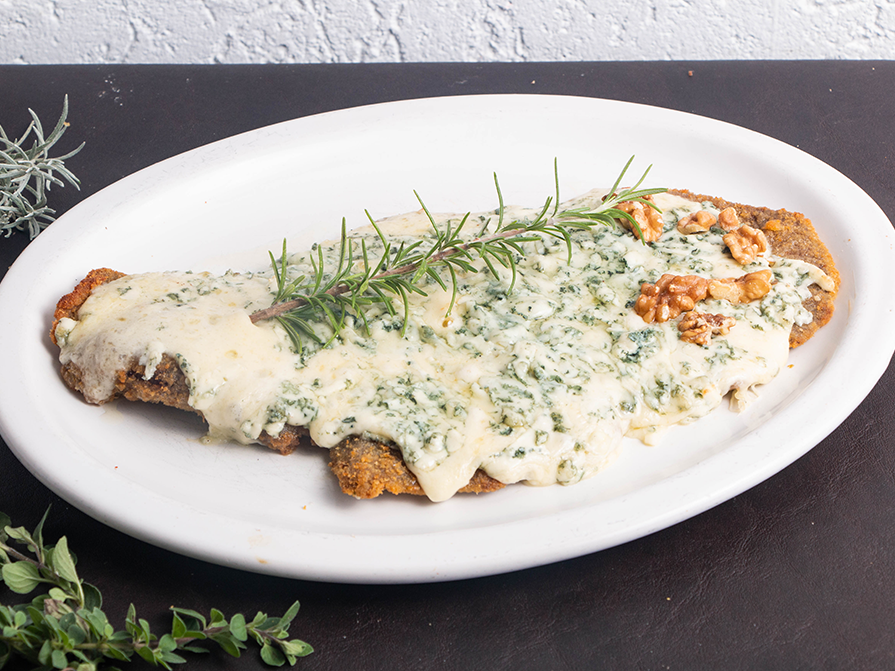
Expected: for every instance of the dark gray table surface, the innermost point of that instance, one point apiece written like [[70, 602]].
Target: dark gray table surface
[[796, 573]]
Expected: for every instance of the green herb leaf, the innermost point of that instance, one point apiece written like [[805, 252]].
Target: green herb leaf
[[93, 598], [21, 577], [63, 562], [296, 648], [167, 643], [38, 534], [59, 660], [272, 656], [286, 620], [228, 644], [147, 654], [178, 627], [198, 617], [238, 627], [20, 534], [217, 618], [172, 658]]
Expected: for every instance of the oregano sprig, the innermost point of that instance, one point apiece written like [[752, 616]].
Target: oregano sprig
[[27, 173], [331, 295], [66, 628]]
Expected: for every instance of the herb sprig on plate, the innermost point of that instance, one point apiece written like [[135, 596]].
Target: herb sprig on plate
[[359, 280]]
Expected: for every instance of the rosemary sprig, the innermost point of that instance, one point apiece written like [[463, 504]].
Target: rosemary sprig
[[65, 628], [358, 282], [26, 175]]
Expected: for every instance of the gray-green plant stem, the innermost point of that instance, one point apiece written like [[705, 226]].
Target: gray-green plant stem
[[27, 173]]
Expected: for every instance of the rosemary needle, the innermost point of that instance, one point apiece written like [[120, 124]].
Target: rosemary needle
[[357, 282]]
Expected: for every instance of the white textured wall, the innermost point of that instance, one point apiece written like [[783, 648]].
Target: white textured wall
[[319, 31]]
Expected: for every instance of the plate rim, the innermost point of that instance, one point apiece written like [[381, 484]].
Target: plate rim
[[480, 565]]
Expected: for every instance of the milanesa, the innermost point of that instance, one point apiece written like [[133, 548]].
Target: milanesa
[[538, 384]]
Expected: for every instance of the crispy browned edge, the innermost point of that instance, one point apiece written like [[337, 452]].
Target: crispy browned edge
[[366, 468], [790, 235]]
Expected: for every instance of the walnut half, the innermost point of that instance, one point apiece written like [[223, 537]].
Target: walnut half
[[728, 219], [669, 296], [699, 327], [749, 287], [697, 222], [648, 218], [746, 243]]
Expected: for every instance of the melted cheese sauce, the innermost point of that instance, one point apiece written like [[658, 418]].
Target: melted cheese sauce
[[538, 385]]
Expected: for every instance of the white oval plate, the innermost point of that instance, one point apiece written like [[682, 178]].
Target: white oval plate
[[143, 470]]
